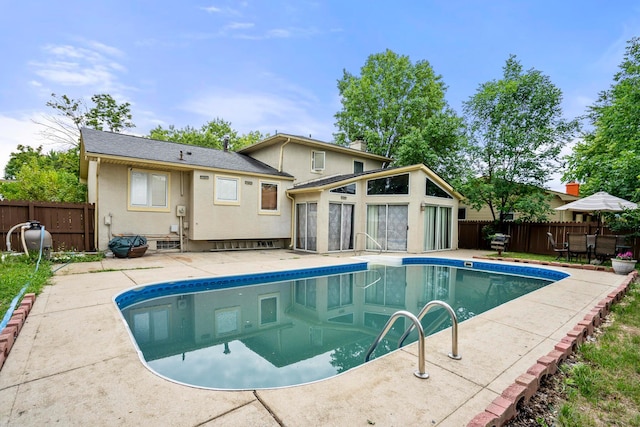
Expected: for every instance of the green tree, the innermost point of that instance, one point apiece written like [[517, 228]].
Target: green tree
[[71, 115], [18, 158], [211, 134], [33, 182], [58, 160], [107, 114], [395, 102], [608, 157], [516, 131]]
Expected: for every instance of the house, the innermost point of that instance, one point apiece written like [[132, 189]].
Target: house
[[556, 199], [284, 191]]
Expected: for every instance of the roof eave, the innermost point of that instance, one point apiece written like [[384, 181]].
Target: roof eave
[[142, 163], [282, 137]]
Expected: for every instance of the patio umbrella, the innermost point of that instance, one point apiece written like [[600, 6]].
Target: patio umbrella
[[598, 202]]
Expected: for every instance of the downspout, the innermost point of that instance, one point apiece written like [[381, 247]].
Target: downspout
[[293, 201], [293, 218], [281, 161], [96, 212]]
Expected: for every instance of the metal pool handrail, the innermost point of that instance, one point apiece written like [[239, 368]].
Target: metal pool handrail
[[375, 281], [420, 373], [454, 329], [355, 244]]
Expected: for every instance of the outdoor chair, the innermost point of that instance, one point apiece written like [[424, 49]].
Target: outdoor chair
[[621, 244], [499, 242], [560, 250], [577, 246], [605, 247]]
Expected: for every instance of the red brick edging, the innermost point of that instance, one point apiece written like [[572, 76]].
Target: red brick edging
[[505, 407], [10, 333]]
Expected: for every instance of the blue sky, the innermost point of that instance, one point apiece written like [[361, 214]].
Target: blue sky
[[273, 65]]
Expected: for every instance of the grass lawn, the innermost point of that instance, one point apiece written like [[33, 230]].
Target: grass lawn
[[603, 387], [18, 271], [537, 257]]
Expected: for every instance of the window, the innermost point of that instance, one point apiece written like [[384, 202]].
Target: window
[[151, 324], [462, 213], [306, 293], [148, 190], [227, 190], [398, 184], [269, 196], [435, 191], [347, 189], [507, 216], [317, 160], [339, 291], [227, 321], [268, 309], [358, 166]]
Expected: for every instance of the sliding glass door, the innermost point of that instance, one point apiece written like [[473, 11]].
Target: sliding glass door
[[306, 226], [388, 224], [340, 227], [437, 228]]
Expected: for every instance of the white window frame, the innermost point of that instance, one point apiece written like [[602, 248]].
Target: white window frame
[[261, 298], [134, 202], [219, 190], [275, 211], [223, 322], [318, 165], [158, 328]]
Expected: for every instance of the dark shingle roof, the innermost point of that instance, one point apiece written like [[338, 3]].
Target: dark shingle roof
[[117, 144], [337, 178]]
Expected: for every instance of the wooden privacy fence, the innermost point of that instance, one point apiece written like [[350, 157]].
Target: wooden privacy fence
[[530, 237], [72, 225]]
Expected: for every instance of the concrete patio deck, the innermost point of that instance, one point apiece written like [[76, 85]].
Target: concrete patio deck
[[74, 363]]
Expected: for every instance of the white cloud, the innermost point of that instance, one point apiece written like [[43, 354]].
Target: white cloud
[[93, 64], [211, 9], [278, 33], [223, 11], [240, 25]]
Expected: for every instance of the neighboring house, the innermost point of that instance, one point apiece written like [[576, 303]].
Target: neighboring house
[[467, 213], [284, 191]]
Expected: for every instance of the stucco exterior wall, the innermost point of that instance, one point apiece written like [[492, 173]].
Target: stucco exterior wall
[[212, 220], [296, 161], [112, 206]]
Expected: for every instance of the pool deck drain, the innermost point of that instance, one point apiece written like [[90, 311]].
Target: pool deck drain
[[74, 363]]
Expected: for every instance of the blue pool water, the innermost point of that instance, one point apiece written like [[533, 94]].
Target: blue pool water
[[286, 328]]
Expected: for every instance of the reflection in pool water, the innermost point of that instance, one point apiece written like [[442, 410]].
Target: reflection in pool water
[[302, 330]]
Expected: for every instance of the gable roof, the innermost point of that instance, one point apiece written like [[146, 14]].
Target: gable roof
[[314, 143], [340, 180], [563, 196], [121, 148]]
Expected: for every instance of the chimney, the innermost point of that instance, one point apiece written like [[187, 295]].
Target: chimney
[[358, 144], [573, 188], [225, 143]]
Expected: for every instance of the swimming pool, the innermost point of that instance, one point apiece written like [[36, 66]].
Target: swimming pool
[[285, 328]]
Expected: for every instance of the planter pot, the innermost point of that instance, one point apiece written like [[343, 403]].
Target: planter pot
[[623, 266]]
